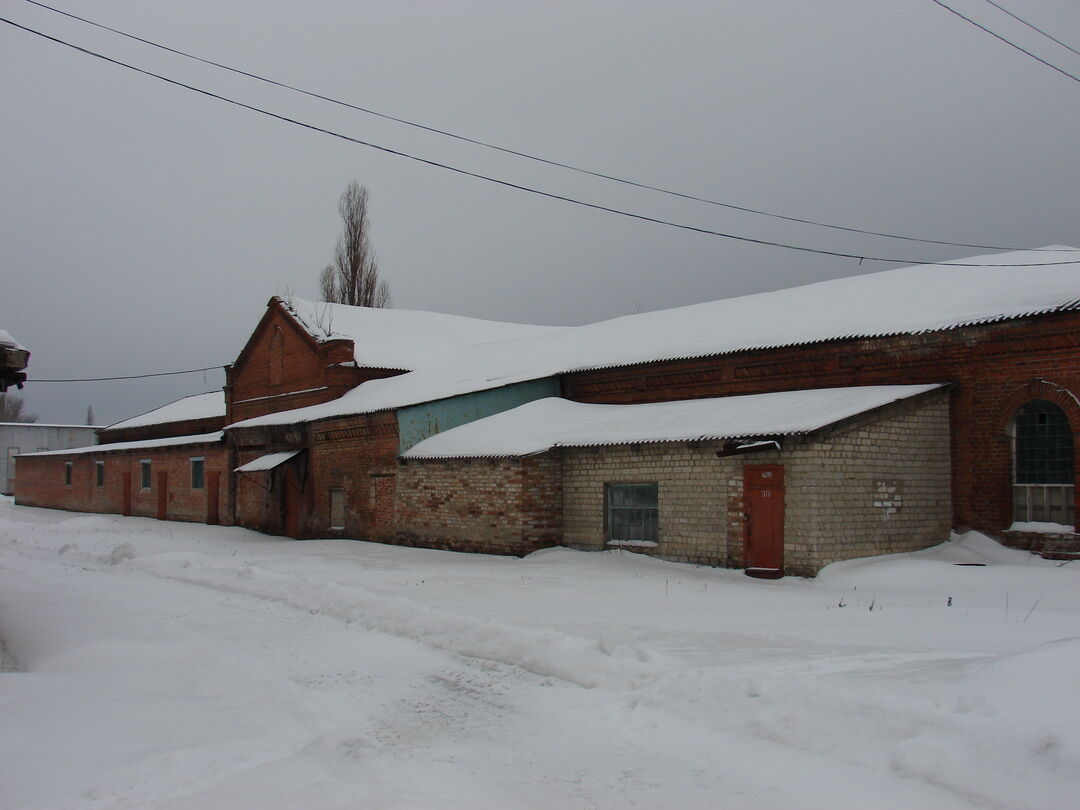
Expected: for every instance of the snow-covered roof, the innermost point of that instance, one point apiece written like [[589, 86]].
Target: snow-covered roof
[[401, 338], [267, 462], [907, 300], [554, 422], [197, 406], [7, 340], [48, 425], [146, 444]]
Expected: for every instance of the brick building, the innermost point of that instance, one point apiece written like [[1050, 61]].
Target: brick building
[[325, 403]]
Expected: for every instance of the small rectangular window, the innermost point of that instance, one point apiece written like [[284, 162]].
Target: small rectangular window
[[337, 509], [146, 479], [100, 469], [632, 514], [67, 472], [198, 473]]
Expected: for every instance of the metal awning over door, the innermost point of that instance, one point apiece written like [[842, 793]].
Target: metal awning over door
[[267, 462]]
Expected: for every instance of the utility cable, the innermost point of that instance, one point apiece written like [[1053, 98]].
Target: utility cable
[[506, 183], [503, 149], [1020, 20], [131, 376], [1006, 41]]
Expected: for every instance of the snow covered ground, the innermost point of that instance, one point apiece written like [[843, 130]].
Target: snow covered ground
[[165, 665]]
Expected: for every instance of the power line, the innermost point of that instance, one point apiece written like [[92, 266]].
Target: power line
[[1020, 20], [1006, 41], [131, 376], [506, 150], [507, 183]]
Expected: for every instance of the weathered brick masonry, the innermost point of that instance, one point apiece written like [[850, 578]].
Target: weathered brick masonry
[[994, 368], [283, 367], [495, 506], [357, 455], [876, 484], [42, 482]]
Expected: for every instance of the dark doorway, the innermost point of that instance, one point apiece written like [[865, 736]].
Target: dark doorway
[[212, 478], [291, 495], [125, 507], [162, 495]]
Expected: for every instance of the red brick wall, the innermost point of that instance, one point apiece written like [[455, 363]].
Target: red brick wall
[[494, 506], [993, 369], [41, 482], [310, 372], [359, 455]]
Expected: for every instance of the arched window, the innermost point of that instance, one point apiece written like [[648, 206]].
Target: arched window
[[277, 357], [1042, 464]]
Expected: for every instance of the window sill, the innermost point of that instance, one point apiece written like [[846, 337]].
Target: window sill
[[634, 543], [1039, 527]]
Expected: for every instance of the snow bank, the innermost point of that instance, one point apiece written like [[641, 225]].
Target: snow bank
[[184, 666]]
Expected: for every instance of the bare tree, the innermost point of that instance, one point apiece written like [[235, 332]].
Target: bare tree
[[13, 409], [353, 277]]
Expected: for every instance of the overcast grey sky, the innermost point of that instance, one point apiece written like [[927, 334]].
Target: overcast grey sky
[[143, 227]]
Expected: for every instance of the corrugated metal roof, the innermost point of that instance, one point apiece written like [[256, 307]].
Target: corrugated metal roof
[[267, 462], [908, 300], [548, 423]]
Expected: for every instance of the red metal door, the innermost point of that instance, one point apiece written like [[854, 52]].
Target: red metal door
[[125, 506], [763, 501], [212, 478], [162, 495]]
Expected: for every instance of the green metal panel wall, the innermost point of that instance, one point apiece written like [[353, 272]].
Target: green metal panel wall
[[417, 422]]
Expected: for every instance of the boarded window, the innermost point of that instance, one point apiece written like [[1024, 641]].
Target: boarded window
[[1042, 464], [67, 472], [99, 468], [198, 474], [337, 509], [632, 514], [145, 477]]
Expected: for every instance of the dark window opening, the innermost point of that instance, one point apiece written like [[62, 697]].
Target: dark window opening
[[632, 517], [100, 467], [1043, 475], [198, 474], [145, 474]]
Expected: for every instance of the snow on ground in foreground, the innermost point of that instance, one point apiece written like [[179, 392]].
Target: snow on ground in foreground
[[165, 665]]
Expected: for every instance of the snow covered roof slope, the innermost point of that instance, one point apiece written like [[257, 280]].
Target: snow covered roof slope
[[401, 338], [267, 462], [197, 406], [907, 300], [7, 340], [554, 422], [146, 444]]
